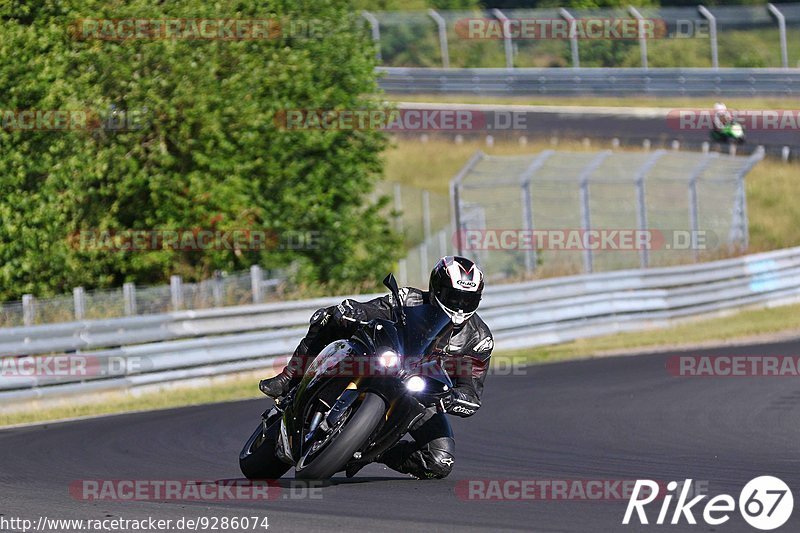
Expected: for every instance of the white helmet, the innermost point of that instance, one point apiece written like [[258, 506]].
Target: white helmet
[[456, 284]]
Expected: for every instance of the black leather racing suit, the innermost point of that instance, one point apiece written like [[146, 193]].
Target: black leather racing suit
[[466, 359]]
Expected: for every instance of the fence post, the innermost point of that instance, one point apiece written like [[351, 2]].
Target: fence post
[[642, 39], [426, 232], [693, 208], [455, 198], [28, 309], [506, 37], [129, 298], [573, 36], [423, 262], [586, 219], [256, 285], [216, 288], [440, 23], [641, 206], [398, 207], [740, 209], [782, 30], [176, 292], [712, 34], [527, 223], [426, 215], [376, 33], [79, 302], [527, 204], [402, 272]]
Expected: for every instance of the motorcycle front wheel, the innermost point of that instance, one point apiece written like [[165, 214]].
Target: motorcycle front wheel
[[341, 448]]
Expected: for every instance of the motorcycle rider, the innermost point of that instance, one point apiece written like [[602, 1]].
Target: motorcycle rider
[[455, 285], [722, 116]]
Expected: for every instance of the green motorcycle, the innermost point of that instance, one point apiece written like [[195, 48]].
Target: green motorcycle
[[731, 133]]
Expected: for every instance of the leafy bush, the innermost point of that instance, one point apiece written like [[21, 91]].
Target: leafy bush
[[208, 153]]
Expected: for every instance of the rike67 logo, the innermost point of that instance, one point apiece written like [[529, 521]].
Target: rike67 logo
[[765, 503]]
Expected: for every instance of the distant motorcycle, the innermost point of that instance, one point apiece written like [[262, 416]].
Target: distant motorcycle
[[335, 416], [730, 133]]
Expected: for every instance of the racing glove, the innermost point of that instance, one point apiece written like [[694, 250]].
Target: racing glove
[[460, 404]]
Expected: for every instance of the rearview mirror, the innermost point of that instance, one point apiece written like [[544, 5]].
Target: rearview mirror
[[391, 283]]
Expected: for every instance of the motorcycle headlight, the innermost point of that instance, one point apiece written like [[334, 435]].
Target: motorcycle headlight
[[415, 384], [388, 358]]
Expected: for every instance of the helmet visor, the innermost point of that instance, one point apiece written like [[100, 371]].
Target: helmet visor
[[456, 300]]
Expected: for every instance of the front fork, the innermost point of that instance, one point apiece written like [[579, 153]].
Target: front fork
[[325, 423]]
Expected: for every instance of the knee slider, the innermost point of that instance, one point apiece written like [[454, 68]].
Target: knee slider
[[439, 457]]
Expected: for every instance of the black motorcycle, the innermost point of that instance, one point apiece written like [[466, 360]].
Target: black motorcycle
[[358, 398]]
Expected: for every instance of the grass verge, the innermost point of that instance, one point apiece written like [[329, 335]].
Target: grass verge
[[221, 390], [756, 324]]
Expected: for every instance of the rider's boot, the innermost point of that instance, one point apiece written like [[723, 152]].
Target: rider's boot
[[281, 384], [277, 386]]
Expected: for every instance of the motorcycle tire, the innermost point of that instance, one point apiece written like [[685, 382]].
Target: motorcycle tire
[[257, 460], [356, 431]]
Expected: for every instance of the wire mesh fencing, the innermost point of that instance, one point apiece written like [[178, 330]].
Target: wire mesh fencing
[[423, 218], [224, 289], [560, 213], [694, 36]]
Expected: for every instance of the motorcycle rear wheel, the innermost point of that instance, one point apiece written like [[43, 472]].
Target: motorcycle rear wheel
[[257, 460]]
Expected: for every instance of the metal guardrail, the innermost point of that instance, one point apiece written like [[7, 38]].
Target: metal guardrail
[[188, 344], [592, 81]]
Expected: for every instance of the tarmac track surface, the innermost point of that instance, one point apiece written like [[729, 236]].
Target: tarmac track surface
[[615, 418], [633, 130]]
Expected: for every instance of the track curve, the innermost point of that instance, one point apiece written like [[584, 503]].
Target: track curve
[[609, 418]]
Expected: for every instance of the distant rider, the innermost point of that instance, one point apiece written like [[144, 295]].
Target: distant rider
[[722, 116]]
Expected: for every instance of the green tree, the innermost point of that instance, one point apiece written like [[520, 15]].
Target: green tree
[[209, 153]]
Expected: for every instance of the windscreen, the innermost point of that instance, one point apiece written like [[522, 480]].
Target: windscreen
[[424, 325]]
